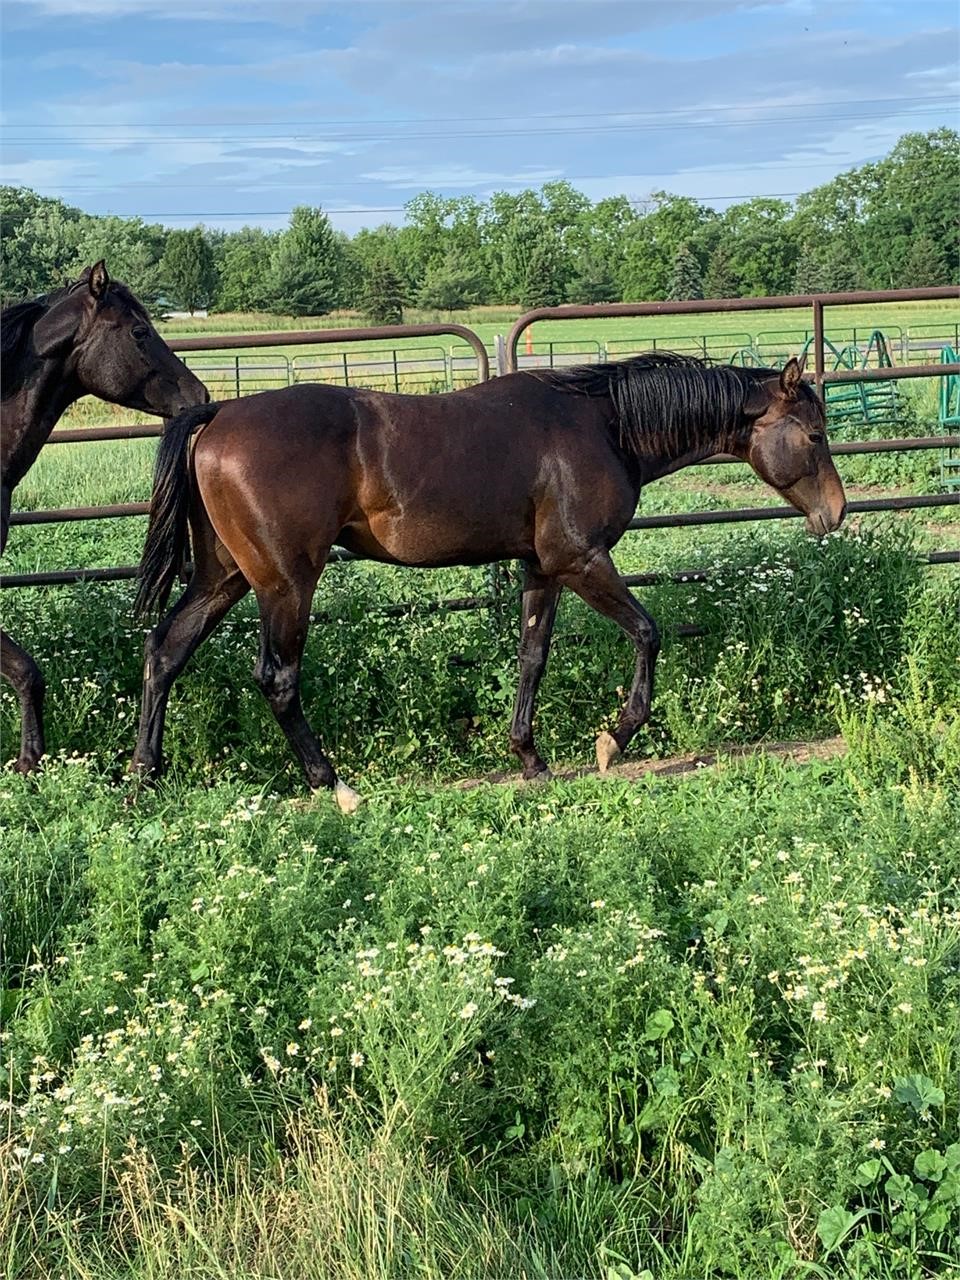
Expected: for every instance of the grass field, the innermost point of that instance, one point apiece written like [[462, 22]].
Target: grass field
[[698, 1026], [778, 332]]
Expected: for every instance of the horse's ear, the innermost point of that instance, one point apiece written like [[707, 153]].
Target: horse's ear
[[57, 327], [791, 378], [98, 281]]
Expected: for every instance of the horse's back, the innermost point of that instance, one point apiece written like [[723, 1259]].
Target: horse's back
[[463, 477]]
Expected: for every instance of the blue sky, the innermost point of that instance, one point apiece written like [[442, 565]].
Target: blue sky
[[233, 111]]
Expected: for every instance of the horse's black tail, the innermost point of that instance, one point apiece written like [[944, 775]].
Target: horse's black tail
[[167, 531]]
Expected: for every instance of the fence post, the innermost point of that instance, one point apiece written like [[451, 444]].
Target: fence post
[[396, 373], [500, 354], [236, 367], [346, 371], [818, 345]]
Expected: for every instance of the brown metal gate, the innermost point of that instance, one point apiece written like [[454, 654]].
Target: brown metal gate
[[820, 376]]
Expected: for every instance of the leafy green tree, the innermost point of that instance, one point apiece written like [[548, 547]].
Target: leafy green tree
[[593, 279], [39, 243], [543, 284], [914, 194], [720, 280], [244, 268], [369, 245], [465, 245], [686, 279], [653, 241], [762, 247], [187, 270], [132, 250], [609, 225], [511, 225], [449, 286], [867, 219], [924, 264], [426, 235], [382, 299], [826, 268], [306, 266]]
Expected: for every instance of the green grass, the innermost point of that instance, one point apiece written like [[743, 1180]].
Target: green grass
[[701, 1027], [488, 321]]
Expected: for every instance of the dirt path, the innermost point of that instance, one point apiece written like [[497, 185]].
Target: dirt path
[[630, 770]]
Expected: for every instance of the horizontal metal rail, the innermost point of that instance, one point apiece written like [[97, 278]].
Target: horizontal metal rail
[[320, 337], [67, 515], [698, 306], [684, 519], [127, 572], [678, 520], [148, 431]]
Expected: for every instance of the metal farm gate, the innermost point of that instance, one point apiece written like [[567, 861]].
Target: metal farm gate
[[862, 378]]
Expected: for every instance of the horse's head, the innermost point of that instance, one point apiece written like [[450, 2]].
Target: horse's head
[[788, 449], [108, 343]]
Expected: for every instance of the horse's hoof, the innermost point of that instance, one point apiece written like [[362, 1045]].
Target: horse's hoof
[[607, 751], [540, 776], [347, 799]]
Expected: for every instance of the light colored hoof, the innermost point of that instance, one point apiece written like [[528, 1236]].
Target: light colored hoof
[[347, 799], [607, 751]]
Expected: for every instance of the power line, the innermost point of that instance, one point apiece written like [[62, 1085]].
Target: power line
[[380, 183], [400, 208], [450, 134], [551, 115]]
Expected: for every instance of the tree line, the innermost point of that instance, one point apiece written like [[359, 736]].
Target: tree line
[[889, 224]]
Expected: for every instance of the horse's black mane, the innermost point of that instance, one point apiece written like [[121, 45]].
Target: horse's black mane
[[676, 402], [17, 321]]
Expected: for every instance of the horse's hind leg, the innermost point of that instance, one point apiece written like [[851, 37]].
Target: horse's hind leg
[[599, 584], [212, 590], [284, 618], [19, 668], [24, 674], [540, 595]]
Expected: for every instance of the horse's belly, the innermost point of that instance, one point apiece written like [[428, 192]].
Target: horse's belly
[[434, 539]]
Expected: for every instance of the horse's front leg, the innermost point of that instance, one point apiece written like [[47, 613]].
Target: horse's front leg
[[599, 584], [540, 595], [19, 668]]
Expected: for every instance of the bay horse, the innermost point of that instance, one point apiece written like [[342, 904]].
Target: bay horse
[[544, 466], [91, 337]]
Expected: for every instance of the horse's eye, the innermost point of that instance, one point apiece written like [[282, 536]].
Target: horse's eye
[[141, 333], [816, 437]]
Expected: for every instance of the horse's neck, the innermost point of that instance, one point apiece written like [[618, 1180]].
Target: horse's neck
[[30, 414], [663, 465]]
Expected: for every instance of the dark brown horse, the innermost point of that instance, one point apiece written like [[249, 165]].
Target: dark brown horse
[[542, 466], [92, 337]]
